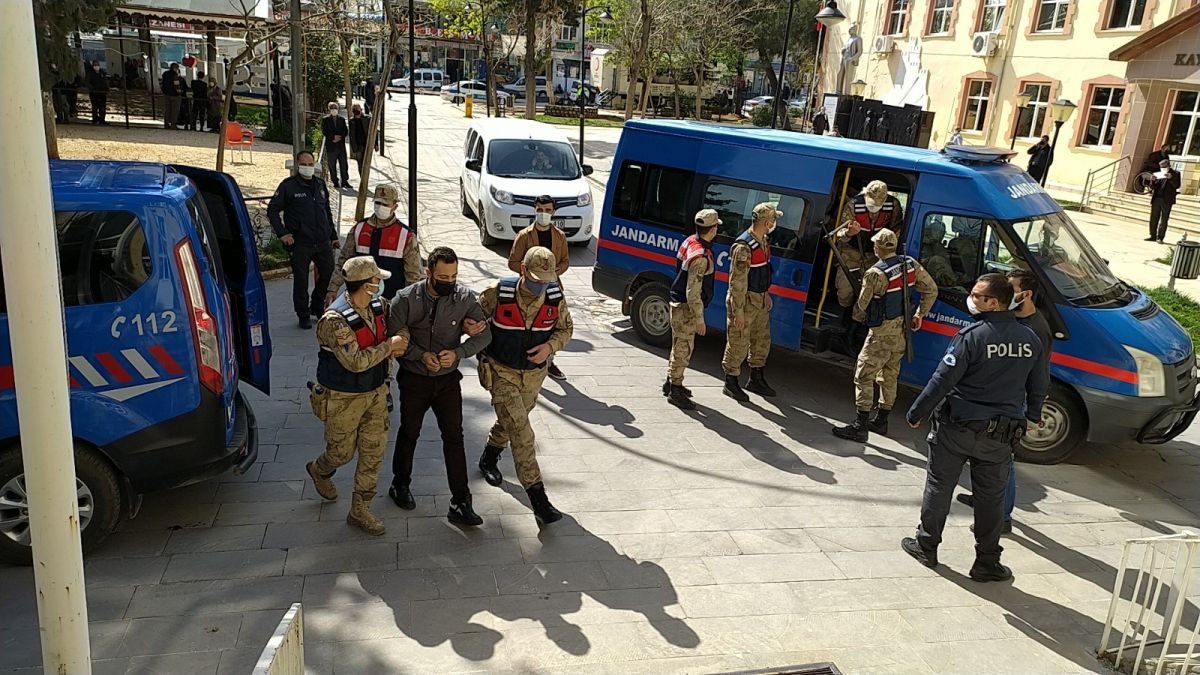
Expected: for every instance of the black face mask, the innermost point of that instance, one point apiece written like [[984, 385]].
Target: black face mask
[[444, 288]]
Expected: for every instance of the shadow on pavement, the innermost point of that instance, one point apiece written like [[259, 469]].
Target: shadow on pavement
[[601, 414]]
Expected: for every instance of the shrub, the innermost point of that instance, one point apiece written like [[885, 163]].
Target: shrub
[[761, 115]]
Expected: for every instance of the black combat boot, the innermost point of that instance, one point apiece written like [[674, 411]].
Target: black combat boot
[[878, 423], [667, 389], [488, 464], [758, 383], [733, 389], [856, 430], [305, 321], [913, 547], [543, 510], [985, 572], [402, 497], [461, 513], [679, 398]]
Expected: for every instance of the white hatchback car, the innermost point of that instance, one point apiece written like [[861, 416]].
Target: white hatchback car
[[510, 162]]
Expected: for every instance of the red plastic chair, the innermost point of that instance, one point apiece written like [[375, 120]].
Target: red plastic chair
[[237, 137]]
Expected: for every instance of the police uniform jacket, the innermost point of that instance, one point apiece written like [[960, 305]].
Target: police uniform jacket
[[991, 369], [300, 208]]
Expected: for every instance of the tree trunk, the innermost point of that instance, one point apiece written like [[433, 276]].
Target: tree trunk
[[51, 126], [699, 72], [550, 81], [226, 102], [772, 81], [360, 207], [639, 54], [345, 45], [530, 63], [645, 98]]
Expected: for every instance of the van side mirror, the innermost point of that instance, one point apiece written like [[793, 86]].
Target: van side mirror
[[475, 165], [587, 169]]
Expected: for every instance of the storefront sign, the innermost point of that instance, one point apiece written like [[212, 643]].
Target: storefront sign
[[1187, 59], [564, 46], [170, 25]]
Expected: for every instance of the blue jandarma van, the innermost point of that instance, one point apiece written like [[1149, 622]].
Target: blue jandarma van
[[165, 311], [1122, 368]]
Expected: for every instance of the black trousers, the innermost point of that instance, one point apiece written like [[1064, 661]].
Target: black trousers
[[199, 113], [99, 107], [303, 255], [335, 156], [989, 459], [1160, 213], [442, 394]]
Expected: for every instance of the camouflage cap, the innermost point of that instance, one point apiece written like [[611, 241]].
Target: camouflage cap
[[388, 193], [539, 263], [876, 193], [707, 218], [885, 239], [363, 267], [767, 209]]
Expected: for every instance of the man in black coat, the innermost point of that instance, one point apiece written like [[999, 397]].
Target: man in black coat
[[335, 130], [97, 84], [199, 102], [302, 219], [1165, 187], [1040, 160]]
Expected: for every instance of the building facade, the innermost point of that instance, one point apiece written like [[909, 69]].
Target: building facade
[[1132, 68]]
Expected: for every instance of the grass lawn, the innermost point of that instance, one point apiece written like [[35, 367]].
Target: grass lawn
[[574, 121], [1185, 310]]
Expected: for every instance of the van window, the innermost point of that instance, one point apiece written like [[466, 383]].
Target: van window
[[656, 194], [548, 160], [1070, 263], [957, 249], [735, 205], [102, 255]]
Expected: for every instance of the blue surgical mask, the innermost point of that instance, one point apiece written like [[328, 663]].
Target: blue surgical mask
[[536, 287], [378, 291]]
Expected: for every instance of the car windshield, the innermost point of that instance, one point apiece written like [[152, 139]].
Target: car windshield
[[551, 160], [1070, 262]]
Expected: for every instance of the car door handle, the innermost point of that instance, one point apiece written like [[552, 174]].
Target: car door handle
[[798, 278]]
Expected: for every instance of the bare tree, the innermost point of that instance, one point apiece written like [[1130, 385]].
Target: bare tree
[[393, 48]]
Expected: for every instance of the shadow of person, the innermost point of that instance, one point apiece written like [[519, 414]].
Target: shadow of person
[[786, 416], [759, 445], [595, 413]]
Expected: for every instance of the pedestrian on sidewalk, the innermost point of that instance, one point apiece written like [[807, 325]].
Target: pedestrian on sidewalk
[[1165, 188], [172, 84], [1025, 289], [987, 388], [1041, 157], [691, 292], [216, 102], [335, 131], [199, 102], [299, 213], [433, 313], [388, 240], [350, 395], [530, 321], [543, 232], [97, 82], [358, 135]]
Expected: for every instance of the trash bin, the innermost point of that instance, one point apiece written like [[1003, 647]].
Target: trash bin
[[1186, 263]]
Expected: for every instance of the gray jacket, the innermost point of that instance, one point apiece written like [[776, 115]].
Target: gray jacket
[[435, 324]]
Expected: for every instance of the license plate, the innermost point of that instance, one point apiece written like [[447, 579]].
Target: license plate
[[560, 224]]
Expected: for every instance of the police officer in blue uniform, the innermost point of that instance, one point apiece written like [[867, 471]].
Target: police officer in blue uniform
[[988, 387]]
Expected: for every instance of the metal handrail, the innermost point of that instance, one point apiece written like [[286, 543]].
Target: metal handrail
[[1112, 167]]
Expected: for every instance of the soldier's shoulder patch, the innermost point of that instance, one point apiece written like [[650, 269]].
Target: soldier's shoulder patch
[[950, 360]]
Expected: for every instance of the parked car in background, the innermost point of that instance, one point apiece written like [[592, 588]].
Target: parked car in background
[[517, 89], [749, 106], [476, 89], [427, 79]]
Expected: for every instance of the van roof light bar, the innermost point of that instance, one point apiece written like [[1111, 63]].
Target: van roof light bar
[[977, 154]]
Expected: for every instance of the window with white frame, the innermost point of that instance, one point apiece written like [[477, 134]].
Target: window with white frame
[[1126, 13], [992, 18], [897, 14], [1051, 16], [1104, 112], [1183, 131], [940, 15], [568, 33], [1032, 120], [979, 94]]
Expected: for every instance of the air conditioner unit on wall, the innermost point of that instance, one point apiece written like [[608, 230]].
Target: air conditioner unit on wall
[[983, 44], [883, 44]]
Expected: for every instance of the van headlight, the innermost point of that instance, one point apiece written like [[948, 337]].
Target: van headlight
[[1152, 376], [585, 199], [502, 196]]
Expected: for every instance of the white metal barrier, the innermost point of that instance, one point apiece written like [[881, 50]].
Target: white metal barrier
[[284, 653], [1148, 614]]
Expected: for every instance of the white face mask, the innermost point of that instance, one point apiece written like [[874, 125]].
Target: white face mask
[[972, 307], [874, 208], [542, 218], [1017, 301], [306, 171], [384, 212], [771, 228]]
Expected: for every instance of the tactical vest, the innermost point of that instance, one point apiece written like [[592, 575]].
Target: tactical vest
[[331, 374], [511, 339], [891, 304], [386, 245], [693, 248], [879, 221], [759, 278]]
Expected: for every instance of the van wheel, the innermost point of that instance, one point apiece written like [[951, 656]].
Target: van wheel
[[650, 312], [485, 237], [462, 202], [456, 100], [99, 496], [1065, 423]]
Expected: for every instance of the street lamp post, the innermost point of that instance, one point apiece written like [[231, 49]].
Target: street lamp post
[[787, 37], [1023, 100], [581, 99], [1060, 112], [828, 17], [412, 118], [488, 78], [858, 88]]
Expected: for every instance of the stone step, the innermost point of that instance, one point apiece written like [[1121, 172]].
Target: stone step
[[1185, 210], [1181, 221]]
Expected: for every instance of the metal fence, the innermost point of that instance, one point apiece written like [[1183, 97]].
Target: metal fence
[[284, 653]]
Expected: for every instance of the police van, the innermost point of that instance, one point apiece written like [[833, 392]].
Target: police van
[[165, 310], [1122, 368]]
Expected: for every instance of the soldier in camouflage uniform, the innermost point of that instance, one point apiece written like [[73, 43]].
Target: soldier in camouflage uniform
[[529, 322], [691, 292], [881, 307], [748, 305], [864, 215], [935, 255], [351, 391], [387, 239]]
